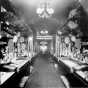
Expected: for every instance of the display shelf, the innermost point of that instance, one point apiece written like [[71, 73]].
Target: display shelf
[[77, 68], [16, 64]]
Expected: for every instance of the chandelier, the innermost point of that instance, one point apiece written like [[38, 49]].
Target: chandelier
[[44, 11]]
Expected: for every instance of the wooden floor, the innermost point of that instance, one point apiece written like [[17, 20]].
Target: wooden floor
[[44, 74]]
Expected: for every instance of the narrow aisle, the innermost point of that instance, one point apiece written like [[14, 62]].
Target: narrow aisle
[[44, 74]]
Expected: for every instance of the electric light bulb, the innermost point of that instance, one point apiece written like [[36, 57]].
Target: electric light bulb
[[0, 36], [73, 38]]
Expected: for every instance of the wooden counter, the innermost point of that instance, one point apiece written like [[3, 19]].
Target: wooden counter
[[74, 68], [17, 64]]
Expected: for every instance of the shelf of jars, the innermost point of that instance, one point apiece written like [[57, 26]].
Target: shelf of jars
[[80, 70], [15, 63], [17, 54], [77, 63]]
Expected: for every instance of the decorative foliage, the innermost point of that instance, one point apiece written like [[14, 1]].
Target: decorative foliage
[[80, 18], [13, 24]]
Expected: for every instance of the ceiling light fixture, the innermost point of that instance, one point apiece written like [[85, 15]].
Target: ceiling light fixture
[[44, 11]]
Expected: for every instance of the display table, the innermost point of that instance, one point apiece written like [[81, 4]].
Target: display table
[[76, 69], [16, 64]]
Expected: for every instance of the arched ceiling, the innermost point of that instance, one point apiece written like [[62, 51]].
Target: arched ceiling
[[27, 9], [49, 24]]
